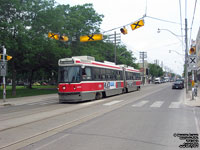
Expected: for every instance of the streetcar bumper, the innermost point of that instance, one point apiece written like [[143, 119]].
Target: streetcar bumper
[[76, 96], [70, 97]]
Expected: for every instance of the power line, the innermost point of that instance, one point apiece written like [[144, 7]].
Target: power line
[[181, 23], [162, 20], [192, 21]]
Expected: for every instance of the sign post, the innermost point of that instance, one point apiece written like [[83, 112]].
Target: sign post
[[192, 66]]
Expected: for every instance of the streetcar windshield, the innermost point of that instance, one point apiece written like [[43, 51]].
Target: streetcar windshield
[[69, 74]]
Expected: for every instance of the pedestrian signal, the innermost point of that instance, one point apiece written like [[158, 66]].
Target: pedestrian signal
[[124, 30]]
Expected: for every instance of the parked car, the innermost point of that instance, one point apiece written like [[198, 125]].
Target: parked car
[[36, 83], [157, 81], [178, 85]]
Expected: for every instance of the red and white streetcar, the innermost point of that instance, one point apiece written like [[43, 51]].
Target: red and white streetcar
[[81, 78]]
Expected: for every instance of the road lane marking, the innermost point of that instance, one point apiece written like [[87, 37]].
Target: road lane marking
[[175, 105], [140, 104], [196, 121], [112, 103], [92, 102], [42, 103], [52, 142], [157, 104]]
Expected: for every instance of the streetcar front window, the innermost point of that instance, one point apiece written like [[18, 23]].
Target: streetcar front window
[[69, 74]]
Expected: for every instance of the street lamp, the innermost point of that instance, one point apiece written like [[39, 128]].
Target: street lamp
[[177, 53], [159, 30], [186, 50]]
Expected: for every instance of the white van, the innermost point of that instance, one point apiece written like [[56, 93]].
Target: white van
[[157, 81]]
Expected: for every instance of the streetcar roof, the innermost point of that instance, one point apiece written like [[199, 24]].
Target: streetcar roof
[[90, 61]]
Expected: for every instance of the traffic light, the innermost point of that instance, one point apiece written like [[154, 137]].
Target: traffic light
[[64, 38], [147, 71], [7, 57], [124, 30], [192, 50]]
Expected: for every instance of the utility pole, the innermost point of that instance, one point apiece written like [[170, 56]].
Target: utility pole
[[186, 57], [143, 55], [115, 48], [115, 39]]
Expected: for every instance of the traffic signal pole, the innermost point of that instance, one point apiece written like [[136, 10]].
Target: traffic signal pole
[[4, 77]]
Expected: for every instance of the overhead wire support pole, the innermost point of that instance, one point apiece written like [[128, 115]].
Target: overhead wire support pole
[[4, 77], [186, 57]]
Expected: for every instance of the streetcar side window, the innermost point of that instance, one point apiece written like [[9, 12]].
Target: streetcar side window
[[108, 74], [86, 73], [138, 77], [103, 74], [119, 75], [96, 74]]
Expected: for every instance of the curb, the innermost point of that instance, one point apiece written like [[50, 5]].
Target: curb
[[188, 100], [6, 104]]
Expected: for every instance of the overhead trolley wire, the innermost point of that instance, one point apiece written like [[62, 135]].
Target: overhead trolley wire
[[192, 21], [162, 20], [181, 23]]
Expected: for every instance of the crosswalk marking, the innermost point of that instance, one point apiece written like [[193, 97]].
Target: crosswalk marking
[[140, 104], [112, 103], [175, 105], [157, 104]]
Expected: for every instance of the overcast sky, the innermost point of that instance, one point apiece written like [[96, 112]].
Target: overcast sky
[[157, 45]]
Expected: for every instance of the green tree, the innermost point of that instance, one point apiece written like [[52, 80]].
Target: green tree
[[155, 70]]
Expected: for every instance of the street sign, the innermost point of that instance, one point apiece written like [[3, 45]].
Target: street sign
[[192, 60], [3, 68], [93, 37], [137, 24], [54, 36], [191, 68]]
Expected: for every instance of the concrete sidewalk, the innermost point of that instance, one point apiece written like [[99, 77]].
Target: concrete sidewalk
[[27, 100], [189, 101]]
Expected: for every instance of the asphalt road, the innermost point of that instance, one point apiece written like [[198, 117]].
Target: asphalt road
[[153, 118]]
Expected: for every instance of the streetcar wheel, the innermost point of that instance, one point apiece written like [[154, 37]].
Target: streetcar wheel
[[138, 88], [98, 95]]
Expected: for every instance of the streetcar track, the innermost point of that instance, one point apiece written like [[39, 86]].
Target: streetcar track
[[46, 133]]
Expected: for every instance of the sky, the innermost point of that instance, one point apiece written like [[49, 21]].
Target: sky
[[146, 39]]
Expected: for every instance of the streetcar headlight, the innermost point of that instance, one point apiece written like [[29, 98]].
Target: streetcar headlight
[[64, 88]]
